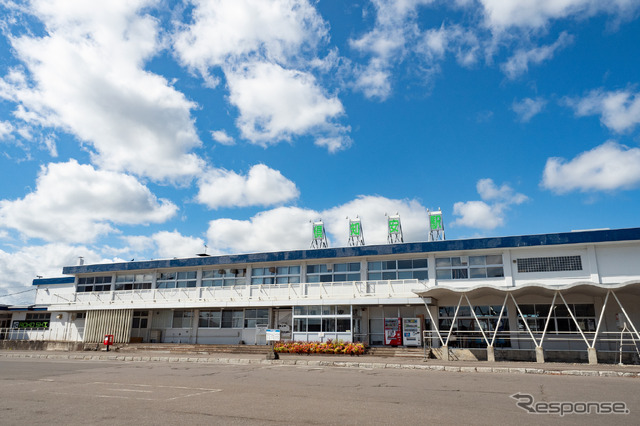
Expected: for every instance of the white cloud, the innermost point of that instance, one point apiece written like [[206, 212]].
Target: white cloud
[[222, 138], [173, 244], [266, 50], [76, 203], [6, 129], [394, 29], [477, 214], [288, 228], [490, 212], [500, 14], [454, 38], [527, 108], [86, 76], [607, 167], [518, 64], [22, 266], [227, 33], [619, 110], [277, 103], [262, 186]]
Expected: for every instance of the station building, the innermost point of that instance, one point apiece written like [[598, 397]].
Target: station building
[[527, 296]]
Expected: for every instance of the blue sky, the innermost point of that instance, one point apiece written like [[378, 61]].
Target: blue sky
[[149, 129]]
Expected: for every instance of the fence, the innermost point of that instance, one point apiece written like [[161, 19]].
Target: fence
[[57, 334]]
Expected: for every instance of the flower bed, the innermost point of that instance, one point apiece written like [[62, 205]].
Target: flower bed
[[328, 347]]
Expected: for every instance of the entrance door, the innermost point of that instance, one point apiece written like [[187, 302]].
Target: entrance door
[[140, 327], [284, 323]]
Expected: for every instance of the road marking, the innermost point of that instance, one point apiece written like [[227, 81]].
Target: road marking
[[130, 390]]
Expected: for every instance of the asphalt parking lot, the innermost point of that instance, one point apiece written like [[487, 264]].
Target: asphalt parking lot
[[50, 391]]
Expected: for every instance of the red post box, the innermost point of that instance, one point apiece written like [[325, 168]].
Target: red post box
[[108, 340]]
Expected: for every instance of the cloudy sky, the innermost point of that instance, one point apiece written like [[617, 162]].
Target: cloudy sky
[[144, 129]]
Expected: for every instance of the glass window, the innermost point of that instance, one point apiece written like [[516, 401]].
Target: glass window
[[333, 273], [210, 319], [182, 319], [403, 269], [475, 267], [86, 284]]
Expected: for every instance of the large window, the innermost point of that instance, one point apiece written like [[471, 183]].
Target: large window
[[210, 319], [224, 277], [182, 319], [406, 269], [316, 319], [561, 321], [276, 275], [176, 279], [337, 272], [465, 267], [466, 332], [234, 318], [94, 284], [134, 282]]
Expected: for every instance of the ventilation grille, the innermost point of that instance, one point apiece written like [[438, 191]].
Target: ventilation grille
[[550, 264]]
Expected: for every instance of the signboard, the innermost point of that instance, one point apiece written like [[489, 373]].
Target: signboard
[[273, 335], [436, 221], [30, 324], [394, 226], [355, 229], [317, 231]]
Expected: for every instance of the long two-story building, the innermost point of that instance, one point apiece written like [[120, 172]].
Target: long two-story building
[[572, 293]]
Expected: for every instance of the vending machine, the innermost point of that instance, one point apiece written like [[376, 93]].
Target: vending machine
[[411, 332], [392, 332]]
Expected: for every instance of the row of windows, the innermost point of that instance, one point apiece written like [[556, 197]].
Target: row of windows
[[560, 320], [408, 269], [465, 267], [447, 268]]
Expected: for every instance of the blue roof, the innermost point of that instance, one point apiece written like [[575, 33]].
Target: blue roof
[[52, 281], [578, 237]]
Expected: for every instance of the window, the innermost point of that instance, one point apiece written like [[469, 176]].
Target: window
[[232, 318], [93, 284], [337, 272], [550, 264], [276, 275], [465, 267], [256, 318], [466, 332], [140, 319], [406, 269], [182, 319], [317, 318], [35, 320], [40, 316], [224, 277], [210, 319], [133, 282], [561, 321], [176, 279]]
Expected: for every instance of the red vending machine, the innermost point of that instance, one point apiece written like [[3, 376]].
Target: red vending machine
[[392, 331]]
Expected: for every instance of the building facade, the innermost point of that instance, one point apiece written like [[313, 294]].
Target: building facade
[[567, 292]]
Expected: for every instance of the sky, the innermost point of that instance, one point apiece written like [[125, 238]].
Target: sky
[[149, 129]]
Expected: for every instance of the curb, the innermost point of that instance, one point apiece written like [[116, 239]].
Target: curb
[[318, 363]]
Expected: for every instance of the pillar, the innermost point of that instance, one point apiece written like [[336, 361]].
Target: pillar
[[539, 354], [593, 356], [491, 357]]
